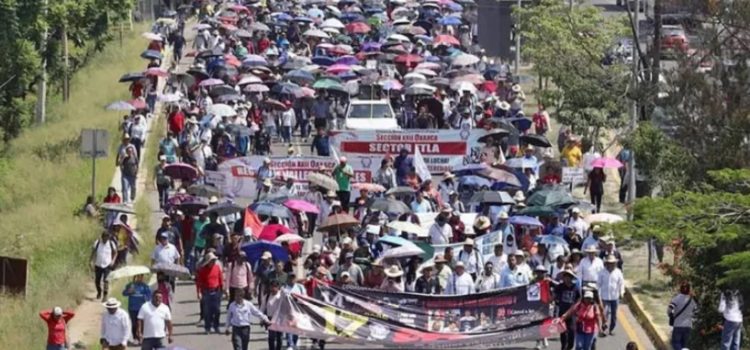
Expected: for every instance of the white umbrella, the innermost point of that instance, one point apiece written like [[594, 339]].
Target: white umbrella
[[423, 86], [408, 227], [426, 72], [603, 217], [289, 237], [249, 79], [398, 37], [332, 23], [152, 36], [222, 110], [464, 86], [402, 251], [415, 77], [128, 271], [465, 60], [256, 88], [331, 30], [169, 98], [258, 26], [316, 33]]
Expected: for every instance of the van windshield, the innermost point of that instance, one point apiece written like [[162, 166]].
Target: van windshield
[[368, 111]]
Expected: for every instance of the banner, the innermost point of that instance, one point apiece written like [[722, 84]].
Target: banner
[[414, 321], [442, 150]]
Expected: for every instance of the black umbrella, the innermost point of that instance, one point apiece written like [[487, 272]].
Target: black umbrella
[[492, 197], [209, 53], [400, 190], [204, 190], [494, 136], [222, 90], [197, 72], [130, 77], [536, 140], [225, 208], [391, 206], [271, 209], [193, 206]]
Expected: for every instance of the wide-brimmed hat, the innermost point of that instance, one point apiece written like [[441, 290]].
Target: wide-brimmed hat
[[459, 264], [540, 268], [331, 194], [210, 257], [610, 259], [213, 200], [519, 197], [515, 88], [111, 303], [588, 294], [503, 215], [448, 175], [482, 222], [440, 259], [267, 183], [469, 241], [394, 271], [596, 229], [591, 249], [569, 272], [503, 105]]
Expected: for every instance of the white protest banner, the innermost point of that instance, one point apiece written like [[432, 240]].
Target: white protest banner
[[573, 175], [216, 178], [442, 150], [420, 166], [240, 173]]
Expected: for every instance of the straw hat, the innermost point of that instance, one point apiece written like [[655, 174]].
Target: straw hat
[[440, 259], [519, 197], [502, 216], [331, 194], [515, 88], [459, 264], [591, 249], [394, 271], [610, 259], [112, 303], [448, 175], [569, 273], [266, 255], [213, 200], [482, 222], [503, 105], [469, 241]]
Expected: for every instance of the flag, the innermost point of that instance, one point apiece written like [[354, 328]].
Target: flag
[[252, 222], [334, 154], [420, 166]]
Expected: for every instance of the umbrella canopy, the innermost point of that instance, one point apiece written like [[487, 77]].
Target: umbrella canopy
[[400, 190], [242, 33], [271, 209], [289, 238], [120, 106], [391, 206], [402, 251], [181, 171], [258, 26], [193, 205], [151, 55], [370, 187], [253, 251], [316, 33], [394, 241], [535, 140], [129, 271], [606, 162], [257, 88], [172, 270], [338, 222], [408, 59], [492, 197], [465, 60], [551, 197], [302, 205], [474, 181], [211, 82], [156, 72], [300, 76], [606, 218], [204, 191], [332, 23], [494, 136], [324, 181], [131, 77], [539, 211], [552, 240], [117, 207], [358, 28], [408, 227], [221, 110], [249, 79], [525, 221], [272, 231], [225, 208]]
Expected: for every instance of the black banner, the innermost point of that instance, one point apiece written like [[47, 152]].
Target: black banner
[[418, 321]]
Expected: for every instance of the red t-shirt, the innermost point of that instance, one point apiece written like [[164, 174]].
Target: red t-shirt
[[176, 122], [209, 277], [112, 199], [56, 327], [586, 317]]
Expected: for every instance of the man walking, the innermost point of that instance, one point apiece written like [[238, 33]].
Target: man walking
[[115, 330], [611, 286], [154, 323], [343, 173], [238, 319], [103, 258], [209, 284]]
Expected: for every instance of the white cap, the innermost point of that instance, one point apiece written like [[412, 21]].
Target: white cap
[[588, 294], [57, 311], [316, 248], [576, 211], [346, 240]]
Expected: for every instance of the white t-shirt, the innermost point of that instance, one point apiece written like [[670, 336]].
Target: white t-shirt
[[104, 250], [288, 117], [165, 254], [154, 320]]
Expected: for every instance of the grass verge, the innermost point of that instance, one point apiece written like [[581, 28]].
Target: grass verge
[[43, 182]]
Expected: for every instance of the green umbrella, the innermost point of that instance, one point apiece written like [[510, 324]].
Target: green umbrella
[[551, 196], [429, 251], [344, 39], [328, 84], [539, 211]]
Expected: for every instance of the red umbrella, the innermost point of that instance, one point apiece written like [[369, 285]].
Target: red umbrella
[[408, 59], [445, 39], [489, 86], [181, 171], [232, 60], [270, 232], [156, 71], [138, 103], [358, 28], [274, 104], [228, 26]]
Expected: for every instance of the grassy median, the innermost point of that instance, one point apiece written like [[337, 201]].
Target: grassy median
[[43, 182]]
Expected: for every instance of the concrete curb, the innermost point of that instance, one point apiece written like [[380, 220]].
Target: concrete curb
[[658, 338]]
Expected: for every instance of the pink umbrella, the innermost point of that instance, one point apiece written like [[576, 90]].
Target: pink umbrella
[[305, 92], [606, 162], [338, 68], [301, 205], [211, 82], [370, 187], [156, 71], [138, 103], [446, 40]]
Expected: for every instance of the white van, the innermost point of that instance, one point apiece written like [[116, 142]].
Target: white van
[[370, 115]]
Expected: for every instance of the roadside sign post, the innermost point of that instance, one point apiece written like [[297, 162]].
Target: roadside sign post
[[94, 144]]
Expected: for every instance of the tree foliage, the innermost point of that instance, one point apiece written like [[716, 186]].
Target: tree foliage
[[567, 45], [88, 26], [711, 226]]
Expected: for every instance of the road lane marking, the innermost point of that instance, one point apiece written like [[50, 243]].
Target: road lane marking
[[629, 330]]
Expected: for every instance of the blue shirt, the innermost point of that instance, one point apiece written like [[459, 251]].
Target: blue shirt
[[321, 145], [140, 295], [320, 109]]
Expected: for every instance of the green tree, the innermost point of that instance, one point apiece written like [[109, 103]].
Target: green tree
[[567, 46]]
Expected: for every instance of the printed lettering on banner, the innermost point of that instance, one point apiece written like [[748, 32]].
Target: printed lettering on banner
[[216, 178], [442, 150], [573, 175]]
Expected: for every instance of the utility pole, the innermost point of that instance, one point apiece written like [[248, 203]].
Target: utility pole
[[518, 41], [634, 112], [66, 62], [41, 97]]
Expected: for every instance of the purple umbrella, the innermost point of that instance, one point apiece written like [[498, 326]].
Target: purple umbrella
[[525, 221], [211, 82], [181, 171], [370, 46], [347, 60]]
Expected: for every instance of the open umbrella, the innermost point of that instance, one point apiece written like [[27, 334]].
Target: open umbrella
[[603, 218], [151, 55], [552, 240], [358, 28], [156, 72], [120, 106], [289, 237], [391, 206], [117, 207], [316, 33], [332, 23], [193, 205], [225, 208], [408, 59], [474, 181], [494, 136], [181, 171], [394, 241], [300, 76], [370, 187], [211, 82], [253, 251], [131, 77], [152, 36], [554, 196], [464, 60], [338, 222], [492, 197], [270, 209], [408, 227], [302, 205], [243, 33], [204, 191], [221, 110], [539, 211], [128, 271], [257, 88], [324, 181], [402, 251], [606, 162], [535, 140], [172, 270], [260, 27], [525, 221]]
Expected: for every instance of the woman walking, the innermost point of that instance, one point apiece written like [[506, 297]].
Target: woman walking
[[595, 186], [589, 320]]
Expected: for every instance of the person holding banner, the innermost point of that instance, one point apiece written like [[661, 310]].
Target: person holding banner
[[513, 276], [460, 283], [566, 295], [427, 283], [488, 280], [471, 258]]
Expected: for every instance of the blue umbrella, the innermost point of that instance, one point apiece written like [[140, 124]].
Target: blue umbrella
[[521, 123], [282, 16], [316, 13], [285, 88], [348, 60], [552, 239], [455, 7], [371, 46], [473, 180], [151, 55], [254, 250], [352, 17], [303, 19], [394, 240], [271, 209], [525, 220], [435, 59], [468, 169], [254, 61], [323, 60], [299, 75], [425, 38], [450, 21]]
